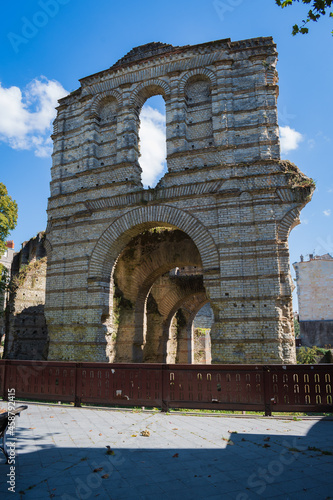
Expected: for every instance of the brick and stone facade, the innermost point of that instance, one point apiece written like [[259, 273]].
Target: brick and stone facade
[[226, 206], [314, 279]]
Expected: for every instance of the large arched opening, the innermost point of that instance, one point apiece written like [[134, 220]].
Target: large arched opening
[[143, 277], [146, 286]]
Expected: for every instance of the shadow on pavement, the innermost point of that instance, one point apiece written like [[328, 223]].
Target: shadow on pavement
[[242, 466]]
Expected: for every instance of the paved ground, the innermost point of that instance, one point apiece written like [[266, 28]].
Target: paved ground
[[61, 454]]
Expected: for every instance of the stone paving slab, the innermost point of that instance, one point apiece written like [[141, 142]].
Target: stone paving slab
[[61, 453]]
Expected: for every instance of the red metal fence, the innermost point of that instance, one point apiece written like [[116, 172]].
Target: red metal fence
[[267, 388]]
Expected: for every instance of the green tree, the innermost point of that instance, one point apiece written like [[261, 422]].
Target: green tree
[[8, 216], [8, 220], [317, 9]]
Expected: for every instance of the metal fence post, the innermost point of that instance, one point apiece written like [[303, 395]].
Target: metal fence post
[[4, 389], [77, 398], [267, 392], [165, 388]]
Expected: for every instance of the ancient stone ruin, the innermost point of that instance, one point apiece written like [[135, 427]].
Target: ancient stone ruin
[[129, 268], [25, 326]]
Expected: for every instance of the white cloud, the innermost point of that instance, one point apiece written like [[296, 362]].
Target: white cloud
[[289, 139], [327, 212], [26, 116], [152, 145]]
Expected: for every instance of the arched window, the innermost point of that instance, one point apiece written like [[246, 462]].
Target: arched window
[[152, 141]]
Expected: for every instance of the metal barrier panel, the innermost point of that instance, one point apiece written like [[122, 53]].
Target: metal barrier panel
[[228, 387], [120, 384], [304, 388], [2, 379], [41, 380]]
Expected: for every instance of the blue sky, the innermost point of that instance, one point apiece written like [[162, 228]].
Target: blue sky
[[47, 45]]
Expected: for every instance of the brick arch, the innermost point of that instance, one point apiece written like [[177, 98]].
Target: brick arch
[[194, 300], [287, 223], [174, 296], [144, 90], [168, 255], [196, 308], [137, 289], [143, 280], [178, 297], [191, 296], [97, 101], [207, 73], [120, 232], [191, 301]]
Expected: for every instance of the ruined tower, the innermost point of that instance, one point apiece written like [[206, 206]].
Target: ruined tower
[[222, 212]]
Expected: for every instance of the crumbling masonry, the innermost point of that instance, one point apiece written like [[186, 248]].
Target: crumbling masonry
[[25, 326], [128, 267]]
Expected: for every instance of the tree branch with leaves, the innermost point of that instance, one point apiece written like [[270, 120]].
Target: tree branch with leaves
[[8, 221], [317, 9], [8, 216]]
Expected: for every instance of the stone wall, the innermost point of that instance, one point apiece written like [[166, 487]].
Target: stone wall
[[26, 334], [314, 279], [226, 189]]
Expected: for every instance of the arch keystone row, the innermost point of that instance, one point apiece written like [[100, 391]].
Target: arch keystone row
[[123, 229], [98, 99], [197, 72]]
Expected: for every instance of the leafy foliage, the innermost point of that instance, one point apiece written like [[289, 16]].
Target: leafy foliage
[[296, 328], [8, 216], [8, 220], [311, 355], [317, 9]]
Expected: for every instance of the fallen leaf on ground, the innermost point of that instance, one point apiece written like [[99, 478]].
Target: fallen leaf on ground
[[176, 455], [267, 438], [100, 434], [134, 435], [175, 429], [109, 451], [145, 433], [105, 476], [98, 469]]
